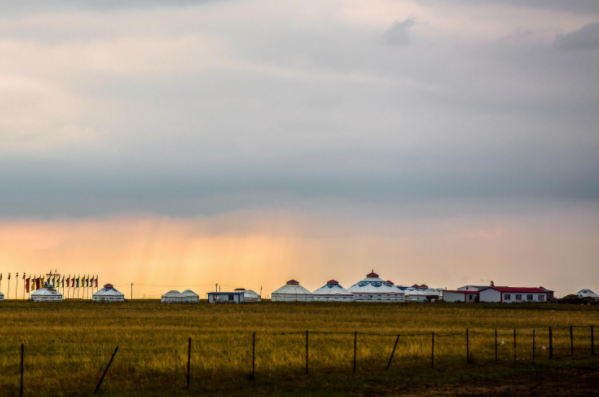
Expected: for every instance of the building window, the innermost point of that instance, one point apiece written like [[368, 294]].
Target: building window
[[518, 297], [231, 297], [470, 296], [541, 298], [529, 297], [507, 297]]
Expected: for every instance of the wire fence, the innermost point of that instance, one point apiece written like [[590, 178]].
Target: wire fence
[[199, 357]]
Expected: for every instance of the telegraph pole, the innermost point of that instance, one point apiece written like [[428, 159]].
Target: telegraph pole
[[131, 290]]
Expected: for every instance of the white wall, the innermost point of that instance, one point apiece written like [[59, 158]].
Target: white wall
[[524, 297], [490, 295], [453, 296]]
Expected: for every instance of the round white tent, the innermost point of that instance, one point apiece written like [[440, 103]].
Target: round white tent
[[292, 292], [46, 294], [587, 293], [173, 297], [190, 296], [374, 289], [249, 295], [108, 294], [332, 292]]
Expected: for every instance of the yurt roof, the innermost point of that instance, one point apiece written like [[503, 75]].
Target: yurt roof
[[332, 287], [248, 293], [108, 290], [372, 284], [587, 293], [189, 292], [292, 287], [173, 294], [46, 290], [421, 291]]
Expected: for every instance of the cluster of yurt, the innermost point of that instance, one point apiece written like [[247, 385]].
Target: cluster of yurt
[[108, 294], [249, 295], [420, 293], [292, 292], [46, 294], [187, 296]]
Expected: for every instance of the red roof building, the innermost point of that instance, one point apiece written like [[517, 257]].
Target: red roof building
[[514, 294]]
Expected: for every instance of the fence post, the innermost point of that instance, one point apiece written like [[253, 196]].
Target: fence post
[[495, 344], [356, 349], [306, 352], [188, 361], [433, 350], [390, 358], [253, 356], [22, 357], [106, 370], [534, 334], [467, 348], [550, 343], [592, 342], [515, 359], [571, 341]]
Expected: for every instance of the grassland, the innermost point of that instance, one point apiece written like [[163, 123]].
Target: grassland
[[67, 346]]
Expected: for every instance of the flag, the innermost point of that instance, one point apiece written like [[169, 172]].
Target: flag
[[9, 276], [96, 281], [69, 281], [73, 282], [27, 284], [77, 282], [62, 281], [37, 283], [42, 281], [91, 282], [87, 281]]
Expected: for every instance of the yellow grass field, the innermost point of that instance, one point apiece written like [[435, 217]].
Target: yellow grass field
[[67, 345]]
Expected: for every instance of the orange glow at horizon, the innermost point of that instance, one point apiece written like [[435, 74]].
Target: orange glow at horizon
[[252, 251]]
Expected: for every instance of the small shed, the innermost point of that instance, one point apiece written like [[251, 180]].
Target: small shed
[[108, 294], [46, 294], [226, 297], [173, 297], [191, 297], [249, 295], [467, 296]]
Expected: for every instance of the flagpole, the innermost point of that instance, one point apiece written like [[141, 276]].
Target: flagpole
[[23, 286], [17, 286], [8, 293]]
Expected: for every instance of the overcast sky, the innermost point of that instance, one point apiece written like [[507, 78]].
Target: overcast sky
[[379, 120]]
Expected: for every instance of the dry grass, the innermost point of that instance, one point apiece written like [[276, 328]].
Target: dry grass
[[67, 345]]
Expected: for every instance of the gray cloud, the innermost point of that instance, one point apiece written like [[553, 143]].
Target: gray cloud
[[399, 32], [578, 6], [585, 38], [19, 7]]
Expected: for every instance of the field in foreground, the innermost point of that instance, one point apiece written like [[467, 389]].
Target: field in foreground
[[68, 345]]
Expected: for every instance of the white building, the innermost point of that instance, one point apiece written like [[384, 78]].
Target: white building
[[173, 297], [225, 297], [513, 294], [108, 294], [46, 294], [332, 292], [467, 296], [473, 287], [587, 293], [292, 292], [374, 289], [249, 295], [190, 296]]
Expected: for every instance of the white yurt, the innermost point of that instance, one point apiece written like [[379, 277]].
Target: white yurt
[[422, 293], [46, 294], [173, 297], [292, 292], [191, 297], [249, 295], [587, 293], [374, 289], [332, 292], [108, 294], [1, 296]]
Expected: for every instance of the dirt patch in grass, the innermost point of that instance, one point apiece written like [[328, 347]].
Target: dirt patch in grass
[[566, 382]]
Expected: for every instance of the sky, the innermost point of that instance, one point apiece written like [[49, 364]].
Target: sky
[[182, 144]]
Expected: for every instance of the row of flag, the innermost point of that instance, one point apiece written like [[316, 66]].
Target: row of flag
[[55, 281]]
